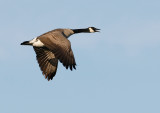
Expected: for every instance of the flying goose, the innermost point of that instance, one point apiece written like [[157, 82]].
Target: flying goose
[[53, 46]]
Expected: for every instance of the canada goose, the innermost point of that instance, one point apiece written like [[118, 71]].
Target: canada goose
[[53, 46]]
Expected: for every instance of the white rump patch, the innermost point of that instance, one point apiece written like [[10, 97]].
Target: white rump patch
[[91, 30], [36, 42], [33, 40]]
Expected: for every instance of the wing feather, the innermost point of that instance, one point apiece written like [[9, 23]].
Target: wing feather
[[61, 47], [47, 62]]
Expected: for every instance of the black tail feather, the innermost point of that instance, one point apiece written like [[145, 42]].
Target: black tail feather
[[26, 43]]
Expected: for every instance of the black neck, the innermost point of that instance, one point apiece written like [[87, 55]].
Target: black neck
[[81, 30]]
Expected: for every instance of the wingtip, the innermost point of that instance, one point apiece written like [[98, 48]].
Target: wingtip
[[74, 66], [71, 67]]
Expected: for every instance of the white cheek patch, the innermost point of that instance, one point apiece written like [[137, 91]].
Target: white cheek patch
[[91, 30], [38, 43]]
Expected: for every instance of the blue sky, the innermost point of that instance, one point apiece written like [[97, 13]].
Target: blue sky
[[117, 69]]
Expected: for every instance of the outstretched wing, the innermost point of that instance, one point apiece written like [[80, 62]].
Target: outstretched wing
[[61, 48], [47, 62]]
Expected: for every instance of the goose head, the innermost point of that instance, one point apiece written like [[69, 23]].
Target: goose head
[[93, 29]]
